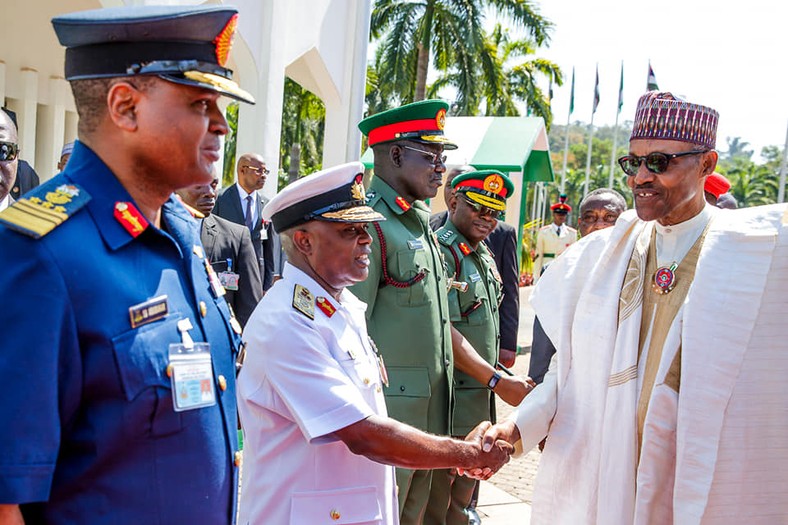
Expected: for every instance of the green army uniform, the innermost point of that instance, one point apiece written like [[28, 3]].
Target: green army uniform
[[410, 325], [406, 294], [474, 313]]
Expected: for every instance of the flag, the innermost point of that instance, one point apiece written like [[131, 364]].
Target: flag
[[572, 96], [651, 83], [621, 89], [596, 90]]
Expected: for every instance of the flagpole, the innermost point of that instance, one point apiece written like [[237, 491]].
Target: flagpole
[[566, 139], [591, 133], [615, 128], [781, 189]]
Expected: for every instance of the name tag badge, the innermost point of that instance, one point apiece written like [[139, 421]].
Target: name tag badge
[[263, 233], [229, 280], [415, 244], [475, 277], [149, 311], [191, 374]]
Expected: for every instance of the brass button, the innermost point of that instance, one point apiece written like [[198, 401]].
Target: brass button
[[378, 389], [238, 458], [169, 370], [366, 381], [222, 383], [335, 514], [203, 309]]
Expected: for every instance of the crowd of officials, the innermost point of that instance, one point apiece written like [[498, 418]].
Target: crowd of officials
[[359, 340]]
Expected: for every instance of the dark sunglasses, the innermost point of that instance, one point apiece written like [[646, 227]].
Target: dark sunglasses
[[8, 151], [483, 210], [264, 171], [656, 162]]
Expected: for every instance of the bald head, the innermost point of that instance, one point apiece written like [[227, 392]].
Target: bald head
[[447, 189], [252, 172], [8, 168]]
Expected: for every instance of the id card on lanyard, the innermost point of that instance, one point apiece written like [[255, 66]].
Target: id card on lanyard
[[191, 373]]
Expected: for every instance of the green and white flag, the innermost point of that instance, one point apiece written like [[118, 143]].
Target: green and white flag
[[651, 82], [621, 89]]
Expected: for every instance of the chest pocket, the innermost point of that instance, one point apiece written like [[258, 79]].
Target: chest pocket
[[409, 262], [142, 356], [474, 305], [352, 506], [364, 374]]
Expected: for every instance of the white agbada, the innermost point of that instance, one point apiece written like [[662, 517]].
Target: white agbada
[[716, 451], [302, 380]]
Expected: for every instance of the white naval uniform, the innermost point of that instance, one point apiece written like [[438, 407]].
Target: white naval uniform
[[552, 242], [304, 379]]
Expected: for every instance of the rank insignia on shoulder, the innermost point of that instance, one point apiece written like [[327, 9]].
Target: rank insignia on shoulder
[[130, 218], [446, 235], [402, 203], [304, 301], [44, 208], [325, 306], [465, 249]]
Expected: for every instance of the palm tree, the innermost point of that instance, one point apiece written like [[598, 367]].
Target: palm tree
[[303, 125], [449, 32], [504, 78]]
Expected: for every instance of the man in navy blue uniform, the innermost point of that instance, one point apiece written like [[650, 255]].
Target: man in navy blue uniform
[[119, 391]]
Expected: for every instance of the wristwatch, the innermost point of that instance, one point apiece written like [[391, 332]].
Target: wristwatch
[[493, 381]]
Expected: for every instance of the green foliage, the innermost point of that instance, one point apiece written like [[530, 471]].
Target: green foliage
[[450, 34], [230, 145], [505, 80], [752, 184], [303, 126]]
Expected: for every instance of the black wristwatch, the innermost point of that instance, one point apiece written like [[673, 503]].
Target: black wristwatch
[[493, 381]]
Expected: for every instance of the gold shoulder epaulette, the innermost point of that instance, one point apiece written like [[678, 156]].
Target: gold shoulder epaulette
[[304, 301], [44, 208]]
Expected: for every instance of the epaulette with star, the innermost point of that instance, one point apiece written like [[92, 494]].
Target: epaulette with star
[[304, 301], [45, 207], [446, 236]]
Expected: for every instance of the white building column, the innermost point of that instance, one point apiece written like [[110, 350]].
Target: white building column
[[51, 131], [26, 111]]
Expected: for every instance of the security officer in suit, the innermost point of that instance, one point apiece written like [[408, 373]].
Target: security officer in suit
[[241, 203], [406, 291], [127, 369], [228, 247], [477, 202], [553, 239]]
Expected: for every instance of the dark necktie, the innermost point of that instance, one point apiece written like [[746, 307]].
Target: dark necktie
[[559, 230], [249, 218]]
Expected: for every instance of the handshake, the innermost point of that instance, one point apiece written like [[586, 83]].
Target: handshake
[[493, 446]]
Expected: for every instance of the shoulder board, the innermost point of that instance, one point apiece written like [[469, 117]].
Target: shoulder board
[[304, 301], [544, 228], [571, 229], [372, 197], [45, 207], [446, 235]]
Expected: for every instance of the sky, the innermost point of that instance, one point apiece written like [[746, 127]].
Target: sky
[[730, 56]]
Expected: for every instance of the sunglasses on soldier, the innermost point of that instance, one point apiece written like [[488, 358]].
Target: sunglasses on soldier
[[482, 210]]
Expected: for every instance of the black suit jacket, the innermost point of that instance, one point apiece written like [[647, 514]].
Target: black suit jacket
[[224, 240], [228, 206], [26, 179], [502, 242], [542, 351]]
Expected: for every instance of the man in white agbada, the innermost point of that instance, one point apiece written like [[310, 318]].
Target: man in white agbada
[[317, 439], [667, 400]]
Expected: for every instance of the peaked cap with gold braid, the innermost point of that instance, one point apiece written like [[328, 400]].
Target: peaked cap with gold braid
[[489, 188]]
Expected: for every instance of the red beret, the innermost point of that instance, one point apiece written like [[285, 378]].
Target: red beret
[[717, 184]]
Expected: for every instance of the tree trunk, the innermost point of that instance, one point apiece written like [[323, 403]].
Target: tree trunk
[[423, 60], [422, 65], [295, 163]]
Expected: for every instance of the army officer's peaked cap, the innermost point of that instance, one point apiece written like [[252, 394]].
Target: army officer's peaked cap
[[183, 44]]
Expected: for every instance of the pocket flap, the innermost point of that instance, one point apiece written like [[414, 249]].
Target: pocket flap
[[355, 505], [408, 382]]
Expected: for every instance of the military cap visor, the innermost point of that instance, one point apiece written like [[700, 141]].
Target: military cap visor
[[335, 195], [187, 45], [489, 188]]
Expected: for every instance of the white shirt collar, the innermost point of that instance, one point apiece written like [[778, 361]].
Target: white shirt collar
[[673, 242], [5, 202]]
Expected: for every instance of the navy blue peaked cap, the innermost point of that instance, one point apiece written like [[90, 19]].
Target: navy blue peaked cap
[[182, 44]]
